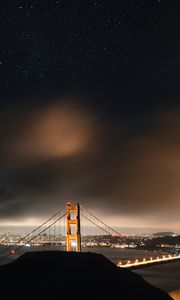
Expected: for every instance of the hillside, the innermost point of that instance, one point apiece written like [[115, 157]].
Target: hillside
[[73, 275]]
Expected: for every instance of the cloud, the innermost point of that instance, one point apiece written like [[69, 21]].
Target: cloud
[[150, 168], [62, 152], [53, 131]]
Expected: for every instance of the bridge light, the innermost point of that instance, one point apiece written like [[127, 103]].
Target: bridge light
[[157, 257], [150, 258], [144, 259], [13, 251], [128, 262], [136, 260]]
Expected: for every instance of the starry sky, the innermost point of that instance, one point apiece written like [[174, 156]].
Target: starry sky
[[89, 111], [66, 43]]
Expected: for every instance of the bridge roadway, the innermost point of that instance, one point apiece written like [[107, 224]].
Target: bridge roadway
[[140, 263]]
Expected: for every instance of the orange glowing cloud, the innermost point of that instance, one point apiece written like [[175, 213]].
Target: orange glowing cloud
[[56, 130]]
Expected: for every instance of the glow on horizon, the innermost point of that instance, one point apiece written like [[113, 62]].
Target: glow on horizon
[[27, 222], [147, 222], [126, 223]]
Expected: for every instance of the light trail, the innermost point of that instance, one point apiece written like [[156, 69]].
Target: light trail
[[149, 261]]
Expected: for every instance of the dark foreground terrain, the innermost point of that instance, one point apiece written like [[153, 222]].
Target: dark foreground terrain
[[42, 275]]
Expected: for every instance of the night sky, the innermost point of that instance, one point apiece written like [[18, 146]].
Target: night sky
[[89, 111]]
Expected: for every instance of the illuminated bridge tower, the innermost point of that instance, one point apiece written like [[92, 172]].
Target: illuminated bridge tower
[[73, 238]]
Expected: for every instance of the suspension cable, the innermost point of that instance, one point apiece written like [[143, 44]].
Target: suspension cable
[[95, 224], [31, 239], [34, 230], [115, 231]]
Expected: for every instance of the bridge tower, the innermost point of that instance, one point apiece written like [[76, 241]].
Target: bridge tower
[[73, 237]]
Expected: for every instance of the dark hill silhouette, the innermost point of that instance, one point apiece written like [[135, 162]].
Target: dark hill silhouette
[[73, 276]]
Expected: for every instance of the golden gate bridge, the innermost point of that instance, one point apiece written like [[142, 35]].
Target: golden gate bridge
[[75, 228]]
